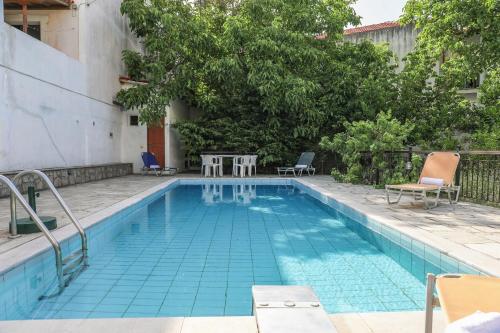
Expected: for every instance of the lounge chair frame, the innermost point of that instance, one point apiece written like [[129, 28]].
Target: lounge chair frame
[[419, 191], [484, 300], [431, 302], [422, 194], [296, 171], [305, 161], [168, 171]]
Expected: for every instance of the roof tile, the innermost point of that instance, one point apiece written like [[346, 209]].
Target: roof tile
[[371, 27]]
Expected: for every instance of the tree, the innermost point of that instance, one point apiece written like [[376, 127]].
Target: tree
[[268, 76], [465, 34], [376, 137]]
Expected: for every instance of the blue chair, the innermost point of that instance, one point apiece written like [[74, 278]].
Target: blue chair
[[151, 164]]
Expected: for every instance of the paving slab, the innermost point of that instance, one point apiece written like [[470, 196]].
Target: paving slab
[[466, 231], [386, 322], [108, 325]]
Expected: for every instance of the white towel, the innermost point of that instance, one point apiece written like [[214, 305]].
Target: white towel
[[478, 322], [301, 166], [432, 181]]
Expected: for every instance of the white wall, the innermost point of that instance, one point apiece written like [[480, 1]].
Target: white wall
[[46, 117], [59, 28], [134, 138], [103, 34], [401, 40], [134, 141], [174, 152], [54, 110]]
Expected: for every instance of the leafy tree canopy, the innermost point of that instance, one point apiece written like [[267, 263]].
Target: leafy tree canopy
[[465, 35], [383, 134], [267, 76]]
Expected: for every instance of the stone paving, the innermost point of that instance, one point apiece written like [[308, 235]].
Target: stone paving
[[473, 226], [83, 200], [377, 322]]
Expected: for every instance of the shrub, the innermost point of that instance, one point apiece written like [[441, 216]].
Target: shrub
[[376, 137]]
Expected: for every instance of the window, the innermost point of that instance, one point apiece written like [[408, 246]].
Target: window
[[33, 29], [37, 24], [472, 83], [134, 120]]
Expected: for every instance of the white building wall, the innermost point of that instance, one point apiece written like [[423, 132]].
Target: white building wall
[[401, 40], [103, 35], [174, 152], [56, 111], [59, 28], [134, 141]]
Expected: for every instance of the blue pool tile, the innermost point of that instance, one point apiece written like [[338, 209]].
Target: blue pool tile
[[71, 314], [144, 309], [111, 307], [176, 255], [175, 312], [204, 311], [116, 300], [105, 315]]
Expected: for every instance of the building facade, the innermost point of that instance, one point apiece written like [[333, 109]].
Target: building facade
[[60, 68], [402, 40]]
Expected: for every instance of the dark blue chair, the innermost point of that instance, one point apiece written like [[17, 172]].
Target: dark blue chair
[[151, 164]]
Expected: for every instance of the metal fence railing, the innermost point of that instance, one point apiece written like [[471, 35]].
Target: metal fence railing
[[478, 173], [479, 176]]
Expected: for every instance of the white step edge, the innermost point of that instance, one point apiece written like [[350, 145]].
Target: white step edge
[[289, 309]]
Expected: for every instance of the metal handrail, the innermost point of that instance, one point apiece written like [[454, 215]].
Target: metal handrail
[[15, 194], [59, 199]]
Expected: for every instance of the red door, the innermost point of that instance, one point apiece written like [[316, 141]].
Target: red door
[[156, 142]]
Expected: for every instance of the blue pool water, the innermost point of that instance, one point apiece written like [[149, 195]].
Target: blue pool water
[[197, 250]]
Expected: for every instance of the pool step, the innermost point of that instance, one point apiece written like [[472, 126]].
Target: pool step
[[289, 309], [73, 265]]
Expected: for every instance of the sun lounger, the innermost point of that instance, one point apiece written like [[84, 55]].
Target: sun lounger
[[151, 164], [437, 177], [303, 164], [460, 296]]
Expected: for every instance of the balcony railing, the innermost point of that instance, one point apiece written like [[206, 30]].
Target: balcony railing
[[478, 172]]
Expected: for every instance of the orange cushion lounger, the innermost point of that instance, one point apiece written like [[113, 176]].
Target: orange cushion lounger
[[437, 176], [461, 295]]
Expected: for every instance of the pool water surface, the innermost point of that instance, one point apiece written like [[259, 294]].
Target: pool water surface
[[198, 249]]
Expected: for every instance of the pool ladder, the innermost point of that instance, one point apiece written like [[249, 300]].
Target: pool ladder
[[67, 268]]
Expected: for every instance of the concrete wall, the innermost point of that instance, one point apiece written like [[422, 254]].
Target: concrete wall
[[59, 28], [174, 151], [401, 40], [134, 141], [56, 111], [103, 35], [134, 138]]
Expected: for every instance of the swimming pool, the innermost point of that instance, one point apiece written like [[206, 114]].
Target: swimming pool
[[196, 250]]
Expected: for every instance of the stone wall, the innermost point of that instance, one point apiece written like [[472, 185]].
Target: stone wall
[[70, 176]]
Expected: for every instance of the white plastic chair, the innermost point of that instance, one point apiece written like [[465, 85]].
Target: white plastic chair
[[253, 165], [209, 165], [241, 165], [237, 164]]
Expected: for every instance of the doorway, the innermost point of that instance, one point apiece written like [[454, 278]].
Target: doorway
[[156, 141]]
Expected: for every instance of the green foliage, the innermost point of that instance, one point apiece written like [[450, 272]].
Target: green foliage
[[464, 33], [256, 71], [488, 139], [263, 77], [377, 137]]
